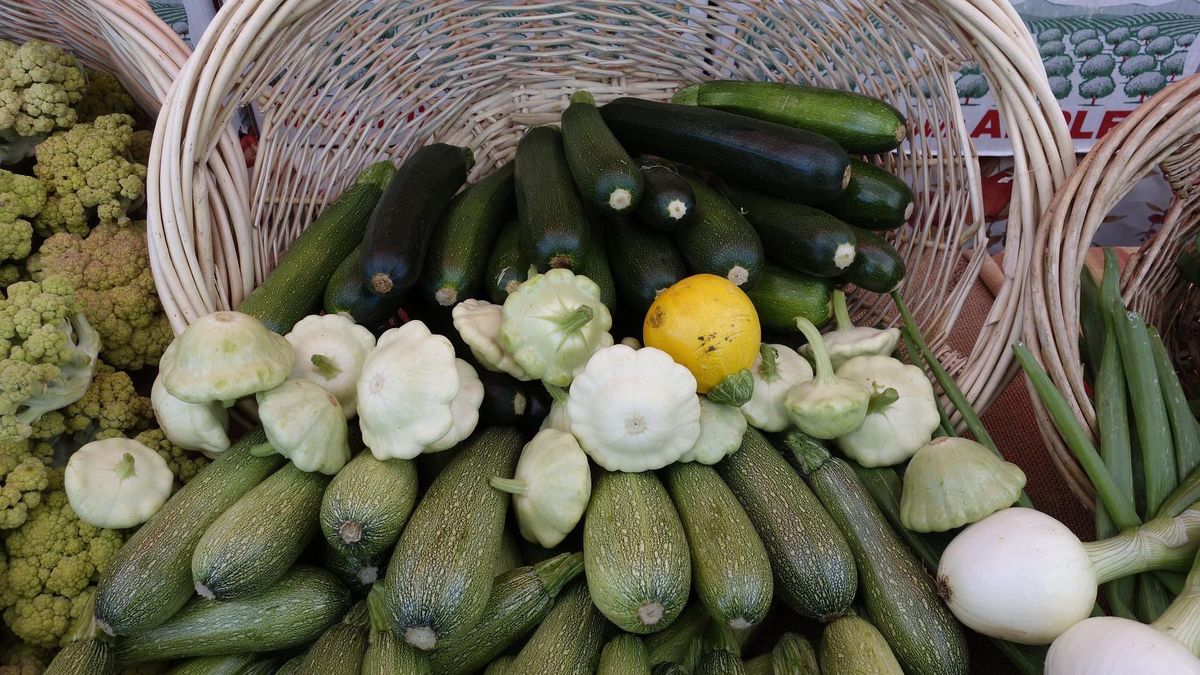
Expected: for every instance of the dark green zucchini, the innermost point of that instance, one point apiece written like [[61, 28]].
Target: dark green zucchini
[[357, 575], [777, 159], [413, 202], [606, 176], [861, 124], [366, 505], [798, 237], [504, 398], [667, 202], [644, 262], [386, 653], [877, 265], [507, 267], [899, 594], [347, 294], [290, 613], [440, 574], [150, 578], [718, 239], [782, 295], [874, 200], [554, 226], [291, 291], [568, 640], [814, 567], [597, 267], [460, 244], [339, 650], [519, 601]]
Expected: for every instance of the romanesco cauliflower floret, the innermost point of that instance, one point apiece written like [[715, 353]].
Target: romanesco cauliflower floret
[[111, 404], [24, 475], [185, 464], [47, 355], [39, 87], [89, 176], [104, 95], [21, 197], [52, 560], [110, 271]]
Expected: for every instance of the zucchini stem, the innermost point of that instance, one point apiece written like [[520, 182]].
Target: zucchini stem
[[557, 572], [350, 532], [381, 283], [421, 637], [650, 613]]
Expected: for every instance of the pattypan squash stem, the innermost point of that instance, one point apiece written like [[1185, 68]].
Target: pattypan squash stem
[[822, 365], [262, 450], [559, 394], [124, 468], [768, 369], [325, 366], [1120, 507], [1182, 619], [576, 319], [841, 313], [1161, 543], [881, 400], [509, 485]]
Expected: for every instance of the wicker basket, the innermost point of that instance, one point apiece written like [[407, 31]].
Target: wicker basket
[[1162, 133], [341, 83]]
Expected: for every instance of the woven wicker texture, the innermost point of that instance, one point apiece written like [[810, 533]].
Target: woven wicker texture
[[343, 83], [1160, 133]]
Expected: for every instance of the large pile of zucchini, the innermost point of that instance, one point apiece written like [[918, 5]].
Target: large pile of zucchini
[[415, 565]]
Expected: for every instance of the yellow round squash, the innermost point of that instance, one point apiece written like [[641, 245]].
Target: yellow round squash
[[708, 325]]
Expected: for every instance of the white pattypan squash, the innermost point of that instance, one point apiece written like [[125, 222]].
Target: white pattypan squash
[[224, 356], [407, 391], [464, 408], [901, 416], [305, 423], [191, 426], [330, 350], [634, 410], [777, 369], [721, 431], [551, 487], [117, 483], [478, 324]]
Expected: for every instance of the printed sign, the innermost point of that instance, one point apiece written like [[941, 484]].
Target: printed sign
[[1102, 58]]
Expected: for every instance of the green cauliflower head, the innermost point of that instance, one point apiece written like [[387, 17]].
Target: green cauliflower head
[[24, 475], [104, 95], [185, 464], [90, 176], [39, 87], [52, 560], [111, 404], [110, 271], [21, 197]]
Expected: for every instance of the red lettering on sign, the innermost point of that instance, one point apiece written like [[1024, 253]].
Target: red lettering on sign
[[989, 125], [1110, 120], [1077, 130]]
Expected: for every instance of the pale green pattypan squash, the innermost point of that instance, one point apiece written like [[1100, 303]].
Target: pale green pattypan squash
[[553, 324], [464, 409], [551, 487], [951, 482], [224, 356], [558, 417], [406, 392], [117, 483], [721, 430], [478, 324], [827, 406], [777, 369], [192, 426], [634, 410], [849, 341], [330, 350], [902, 414], [305, 423]]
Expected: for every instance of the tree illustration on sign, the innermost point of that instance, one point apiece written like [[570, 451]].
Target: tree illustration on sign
[[1097, 66], [1088, 48], [1048, 49], [1050, 35], [1097, 87], [1059, 65], [1127, 49], [1184, 41], [1147, 33], [1083, 35], [1160, 46], [1136, 65], [971, 85], [1172, 66], [1060, 87], [1117, 35], [1145, 84]]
